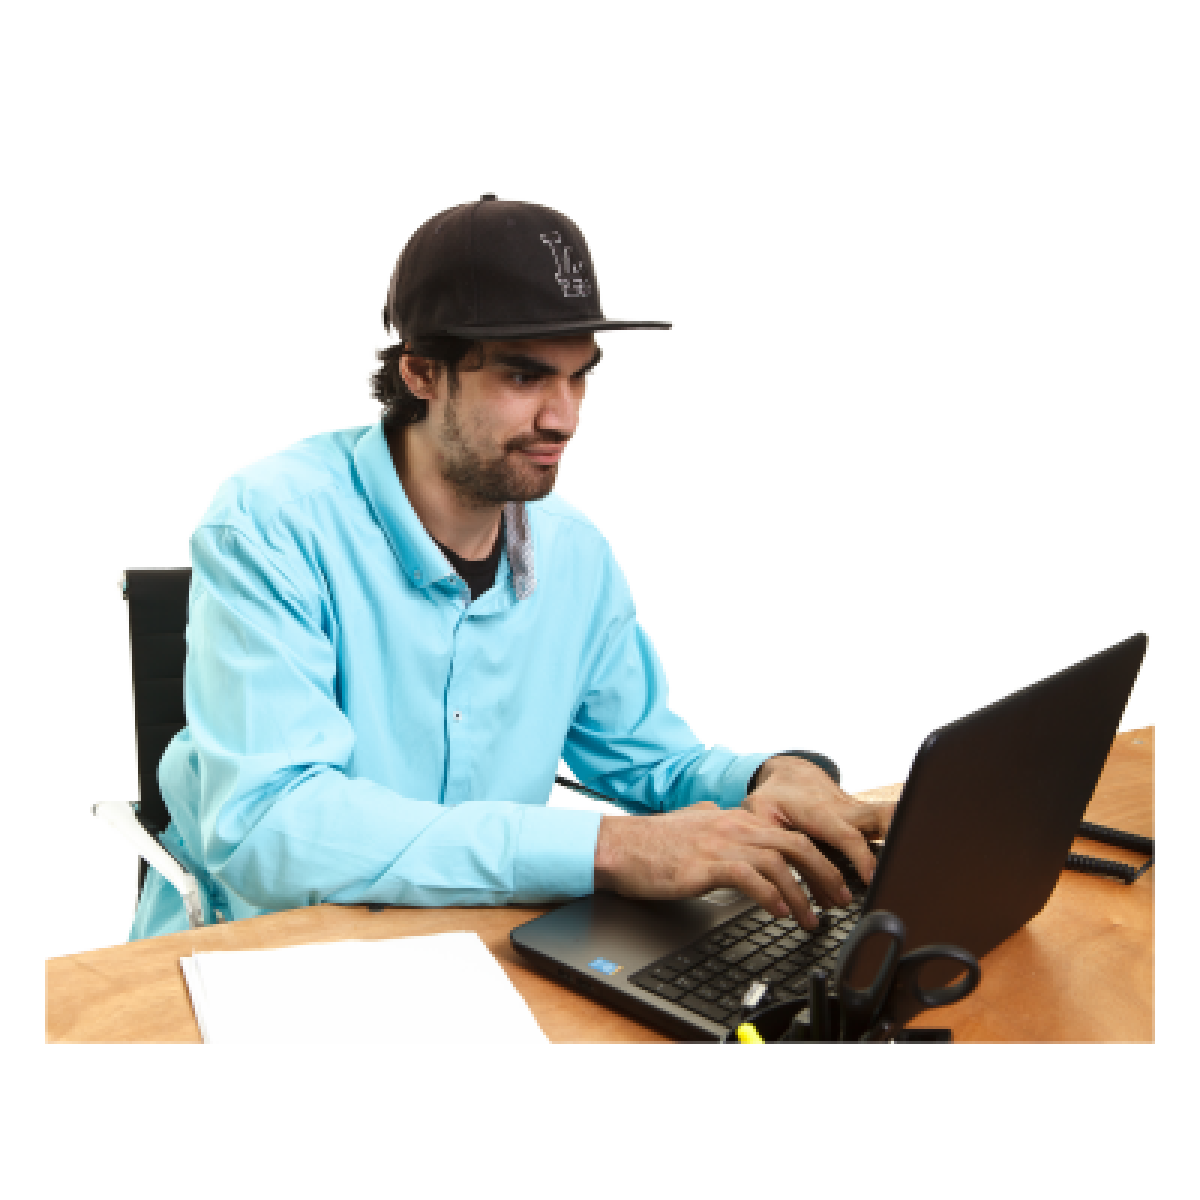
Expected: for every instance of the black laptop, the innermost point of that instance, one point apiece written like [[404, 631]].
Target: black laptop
[[981, 833]]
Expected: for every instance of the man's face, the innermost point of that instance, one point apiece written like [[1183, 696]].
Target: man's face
[[500, 437]]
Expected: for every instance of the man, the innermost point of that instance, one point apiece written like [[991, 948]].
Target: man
[[395, 633]]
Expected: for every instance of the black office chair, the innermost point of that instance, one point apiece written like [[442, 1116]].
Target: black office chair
[[158, 610]]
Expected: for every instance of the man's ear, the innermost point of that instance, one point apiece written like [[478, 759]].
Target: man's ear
[[419, 375]]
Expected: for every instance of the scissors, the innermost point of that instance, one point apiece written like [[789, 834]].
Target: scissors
[[895, 995]]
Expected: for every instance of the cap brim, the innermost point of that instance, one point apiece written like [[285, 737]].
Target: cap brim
[[494, 333]]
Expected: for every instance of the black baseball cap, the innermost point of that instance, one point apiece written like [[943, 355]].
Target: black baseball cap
[[497, 269]]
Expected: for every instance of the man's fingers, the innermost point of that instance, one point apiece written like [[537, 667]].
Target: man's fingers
[[765, 878], [831, 829], [749, 882], [846, 827], [751, 849], [871, 817], [775, 868], [819, 873], [794, 847], [825, 881], [869, 820]]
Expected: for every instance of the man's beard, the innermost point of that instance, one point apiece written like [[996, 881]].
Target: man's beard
[[479, 481]]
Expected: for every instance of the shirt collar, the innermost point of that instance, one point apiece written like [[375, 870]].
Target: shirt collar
[[417, 552]]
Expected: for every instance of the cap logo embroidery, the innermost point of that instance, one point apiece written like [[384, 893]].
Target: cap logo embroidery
[[569, 274]]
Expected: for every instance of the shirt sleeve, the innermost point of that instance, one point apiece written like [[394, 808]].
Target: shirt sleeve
[[281, 823], [626, 743]]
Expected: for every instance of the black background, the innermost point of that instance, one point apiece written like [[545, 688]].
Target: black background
[[873, 479]]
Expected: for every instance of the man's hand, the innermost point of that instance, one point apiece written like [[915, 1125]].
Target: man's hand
[[696, 849], [794, 794]]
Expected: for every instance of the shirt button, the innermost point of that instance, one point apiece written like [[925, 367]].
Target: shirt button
[[416, 574], [458, 716]]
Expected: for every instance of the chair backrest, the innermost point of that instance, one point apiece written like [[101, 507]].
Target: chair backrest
[[158, 612]]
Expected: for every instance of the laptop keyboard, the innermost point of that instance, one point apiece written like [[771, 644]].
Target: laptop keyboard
[[711, 976]]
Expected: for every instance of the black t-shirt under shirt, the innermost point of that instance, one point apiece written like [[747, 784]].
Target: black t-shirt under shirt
[[477, 573]]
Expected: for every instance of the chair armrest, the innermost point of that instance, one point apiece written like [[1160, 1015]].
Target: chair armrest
[[123, 819]]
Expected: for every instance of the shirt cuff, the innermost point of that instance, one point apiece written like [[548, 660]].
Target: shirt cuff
[[556, 853], [735, 779]]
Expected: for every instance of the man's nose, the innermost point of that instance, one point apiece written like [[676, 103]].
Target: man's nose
[[560, 408]]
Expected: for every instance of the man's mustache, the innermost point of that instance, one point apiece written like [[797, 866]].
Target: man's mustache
[[545, 444], [530, 441]]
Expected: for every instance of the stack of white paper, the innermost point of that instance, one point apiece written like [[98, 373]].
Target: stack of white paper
[[444, 988]]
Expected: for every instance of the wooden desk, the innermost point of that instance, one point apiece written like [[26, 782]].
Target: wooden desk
[[1081, 971]]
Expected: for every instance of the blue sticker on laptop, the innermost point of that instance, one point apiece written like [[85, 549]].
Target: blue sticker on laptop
[[604, 966]]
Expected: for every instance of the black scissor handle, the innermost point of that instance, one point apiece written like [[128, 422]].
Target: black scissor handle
[[911, 964], [860, 1005]]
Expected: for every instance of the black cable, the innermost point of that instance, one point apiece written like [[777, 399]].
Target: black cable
[[1125, 872], [1143, 869], [583, 791], [1117, 837], [1088, 865]]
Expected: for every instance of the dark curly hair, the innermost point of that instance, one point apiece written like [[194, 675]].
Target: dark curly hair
[[400, 406]]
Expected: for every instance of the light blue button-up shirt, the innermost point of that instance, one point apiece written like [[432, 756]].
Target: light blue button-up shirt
[[358, 731]]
